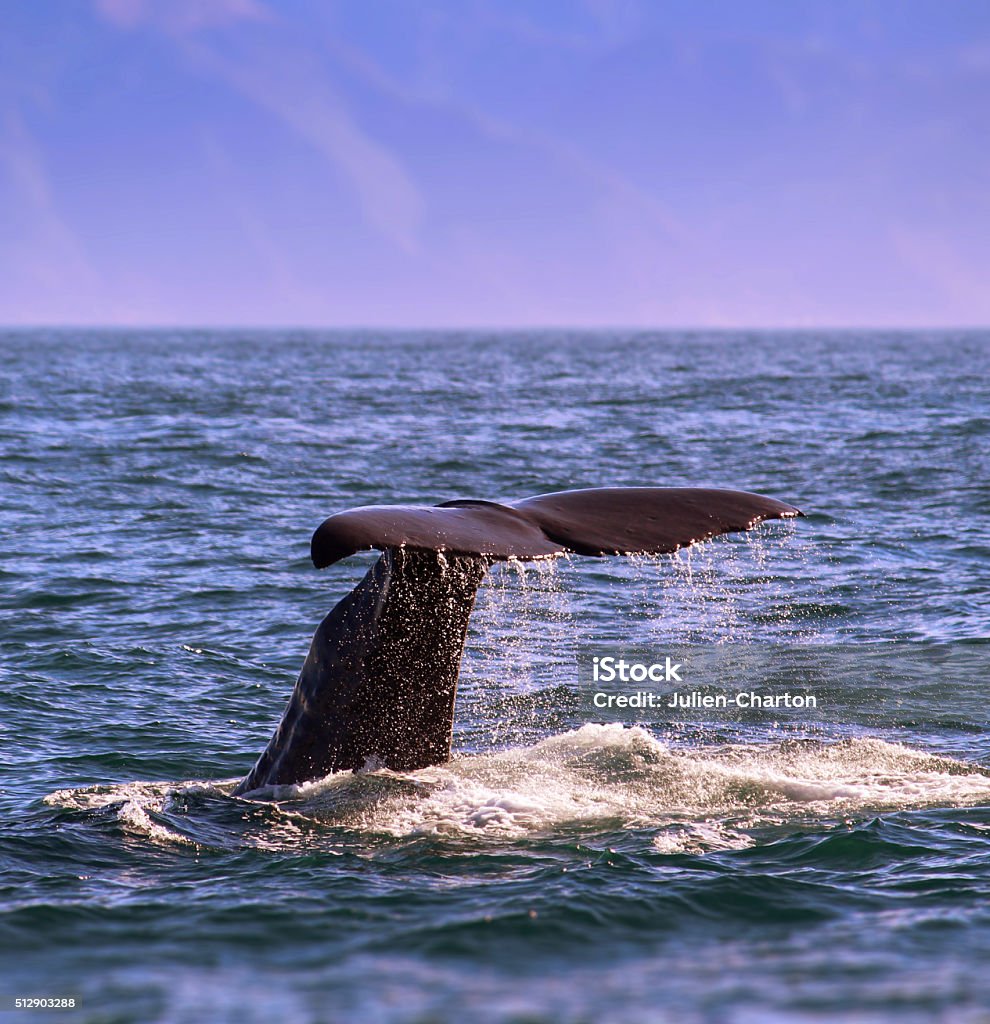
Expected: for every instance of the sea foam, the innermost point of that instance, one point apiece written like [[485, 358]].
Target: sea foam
[[598, 778]]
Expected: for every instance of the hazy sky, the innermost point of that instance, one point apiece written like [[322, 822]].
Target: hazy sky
[[495, 162]]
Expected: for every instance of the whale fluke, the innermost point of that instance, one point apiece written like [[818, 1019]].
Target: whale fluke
[[379, 683], [594, 521]]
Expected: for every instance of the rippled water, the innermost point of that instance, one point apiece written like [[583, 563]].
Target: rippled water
[[158, 493]]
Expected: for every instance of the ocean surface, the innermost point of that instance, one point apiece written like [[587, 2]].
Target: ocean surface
[[157, 495]]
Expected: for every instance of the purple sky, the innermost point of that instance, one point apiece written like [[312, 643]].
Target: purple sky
[[495, 162]]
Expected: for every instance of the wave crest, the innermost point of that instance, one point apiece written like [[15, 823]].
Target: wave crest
[[595, 778]]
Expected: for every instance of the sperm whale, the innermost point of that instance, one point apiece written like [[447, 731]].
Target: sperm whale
[[378, 685]]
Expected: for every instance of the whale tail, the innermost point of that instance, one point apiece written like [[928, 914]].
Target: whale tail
[[379, 683]]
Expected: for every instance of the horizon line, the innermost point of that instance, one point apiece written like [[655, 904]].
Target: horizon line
[[508, 327]]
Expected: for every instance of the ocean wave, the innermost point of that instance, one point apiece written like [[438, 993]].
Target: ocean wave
[[593, 779]]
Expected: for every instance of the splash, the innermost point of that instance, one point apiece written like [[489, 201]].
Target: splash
[[521, 629], [135, 806], [612, 777], [596, 779]]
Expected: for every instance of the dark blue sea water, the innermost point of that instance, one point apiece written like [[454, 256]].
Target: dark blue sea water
[[157, 495]]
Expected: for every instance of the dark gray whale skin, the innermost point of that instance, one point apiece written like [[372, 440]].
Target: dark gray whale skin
[[377, 688]]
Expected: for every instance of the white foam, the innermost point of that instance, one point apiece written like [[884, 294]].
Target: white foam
[[136, 819], [134, 802], [94, 797], [600, 777], [613, 776]]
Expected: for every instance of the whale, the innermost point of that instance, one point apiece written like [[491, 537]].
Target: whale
[[379, 683]]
